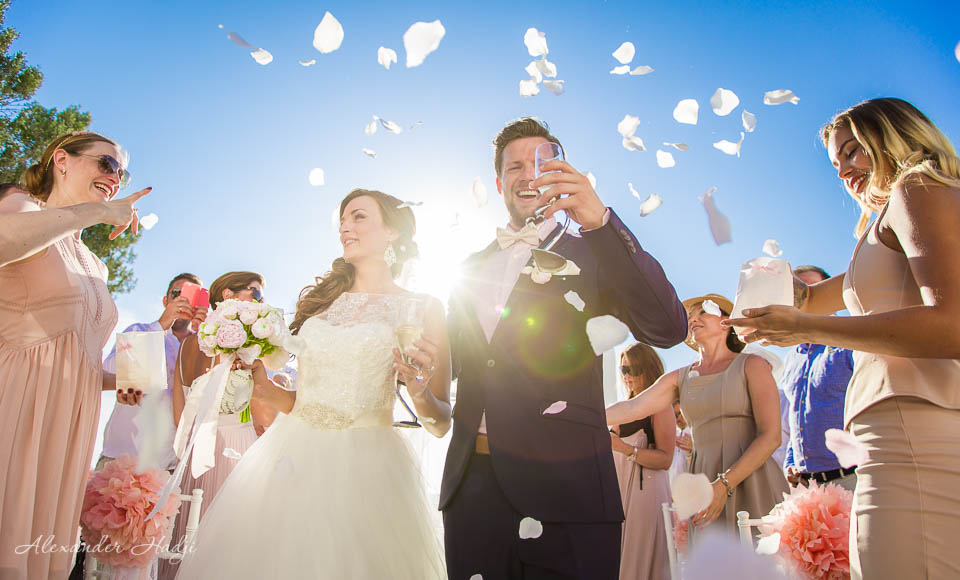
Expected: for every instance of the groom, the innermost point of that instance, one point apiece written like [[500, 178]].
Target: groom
[[519, 348]]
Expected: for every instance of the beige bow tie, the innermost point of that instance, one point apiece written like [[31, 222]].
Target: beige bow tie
[[528, 234]]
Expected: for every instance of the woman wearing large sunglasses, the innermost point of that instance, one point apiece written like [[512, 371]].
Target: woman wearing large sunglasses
[[56, 315]]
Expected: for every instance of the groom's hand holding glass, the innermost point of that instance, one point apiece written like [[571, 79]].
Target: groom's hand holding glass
[[573, 193]]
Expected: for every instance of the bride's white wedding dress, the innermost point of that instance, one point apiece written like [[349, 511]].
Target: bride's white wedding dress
[[332, 490]]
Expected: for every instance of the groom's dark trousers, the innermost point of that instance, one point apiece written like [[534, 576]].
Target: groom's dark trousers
[[556, 468]]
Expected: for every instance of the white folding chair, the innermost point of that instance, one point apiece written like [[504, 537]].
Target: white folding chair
[[668, 524], [92, 570], [745, 526]]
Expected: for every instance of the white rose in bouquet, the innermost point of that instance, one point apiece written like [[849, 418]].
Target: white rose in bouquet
[[263, 328], [228, 309], [249, 312]]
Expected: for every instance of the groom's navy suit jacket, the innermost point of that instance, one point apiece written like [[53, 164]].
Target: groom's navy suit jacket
[[555, 467]]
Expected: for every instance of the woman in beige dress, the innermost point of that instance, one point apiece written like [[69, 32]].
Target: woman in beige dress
[[903, 291], [232, 434], [643, 451], [56, 315], [730, 400]]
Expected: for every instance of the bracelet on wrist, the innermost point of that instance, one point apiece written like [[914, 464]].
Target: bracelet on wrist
[[726, 483], [632, 456]]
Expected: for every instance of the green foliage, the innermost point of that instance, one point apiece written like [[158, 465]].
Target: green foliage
[[26, 128]]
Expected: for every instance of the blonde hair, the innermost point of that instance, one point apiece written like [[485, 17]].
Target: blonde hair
[[318, 297], [38, 179], [900, 141]]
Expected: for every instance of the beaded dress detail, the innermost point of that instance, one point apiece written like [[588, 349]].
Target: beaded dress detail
[[331, 490]]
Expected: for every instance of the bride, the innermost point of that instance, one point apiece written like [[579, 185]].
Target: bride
[[332, 490]]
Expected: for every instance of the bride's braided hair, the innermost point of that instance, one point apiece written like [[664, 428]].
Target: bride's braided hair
[[318, 297]]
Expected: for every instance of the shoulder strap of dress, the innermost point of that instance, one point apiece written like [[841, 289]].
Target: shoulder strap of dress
[[180, 360]]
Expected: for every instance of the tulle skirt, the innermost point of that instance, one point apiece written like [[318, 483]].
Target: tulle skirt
[[307, 502]]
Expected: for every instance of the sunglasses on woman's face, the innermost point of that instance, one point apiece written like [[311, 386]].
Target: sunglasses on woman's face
[[625, 370], [255, 292], [110, 166]]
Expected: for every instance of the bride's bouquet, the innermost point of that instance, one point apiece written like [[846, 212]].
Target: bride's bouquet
[[251, 330]]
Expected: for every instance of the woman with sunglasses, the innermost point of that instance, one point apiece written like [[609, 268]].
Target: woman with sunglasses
[[232, 432], [903, 293], [643, 452], [56, 315], [730, 399]]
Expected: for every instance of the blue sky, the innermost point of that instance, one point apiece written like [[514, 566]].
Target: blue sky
[[227, 143]]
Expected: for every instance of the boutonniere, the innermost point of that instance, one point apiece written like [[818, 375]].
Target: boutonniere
[[547, 264]]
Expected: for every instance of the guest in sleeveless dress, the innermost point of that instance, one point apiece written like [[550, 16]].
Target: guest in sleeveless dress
[[643, 452], [903, 291], [684, 444], [232, 433], [56, 316], [332, 489], [730, 399]]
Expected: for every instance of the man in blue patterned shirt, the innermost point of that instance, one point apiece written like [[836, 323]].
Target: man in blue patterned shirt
[[814, 381]]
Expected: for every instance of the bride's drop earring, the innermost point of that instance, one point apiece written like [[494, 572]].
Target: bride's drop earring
[[390, 255]]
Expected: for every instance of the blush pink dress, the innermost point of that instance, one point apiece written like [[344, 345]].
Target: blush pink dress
[[56, 315]]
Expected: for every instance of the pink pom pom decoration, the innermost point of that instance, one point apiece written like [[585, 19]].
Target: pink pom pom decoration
[[814, 528], [116, 502]]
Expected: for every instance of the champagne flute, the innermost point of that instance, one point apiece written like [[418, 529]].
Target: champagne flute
[[545, 152], [409, 329]]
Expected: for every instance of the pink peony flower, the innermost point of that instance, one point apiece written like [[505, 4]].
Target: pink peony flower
[[231, 334], [116, 502], [814, 528]]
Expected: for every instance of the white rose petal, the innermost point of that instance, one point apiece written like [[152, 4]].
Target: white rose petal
[[687, 111], [592, 179], [845, 446], [328, 35], [230, 453], [238, 40], [693, 374], [641, 70], [624, 54], [710, 307], [749, 121], [634, 192], [779, 97], [677, 146], [148, 221], [665, 159], [769, 545], [410, 204], [620, 70], [719, 224], [316, 177], [529, 88], [536, 42], [573, 299], [555, 408], [534, 71], [632, 143], [772, 248], [547, 68], [651, 203], [429, 420], [956, 52], [420, 40], [390, 126], [371, 127], [729, 147], [606, 332], [691, 493], [530, 529], [415, 125], [386, 57], [310, 62], [555, 87], [628, 126], [723, 102], [479, 192], [540, 277], [370, 153], [262, 57]]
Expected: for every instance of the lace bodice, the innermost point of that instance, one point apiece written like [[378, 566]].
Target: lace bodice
[[345, 361]]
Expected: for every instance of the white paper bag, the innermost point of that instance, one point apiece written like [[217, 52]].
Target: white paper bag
[[141, 361], [763, 282]]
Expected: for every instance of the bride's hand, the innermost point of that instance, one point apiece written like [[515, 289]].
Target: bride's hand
[[425, 357]]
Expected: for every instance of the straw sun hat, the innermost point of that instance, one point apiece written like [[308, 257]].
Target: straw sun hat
[[722, 301]]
